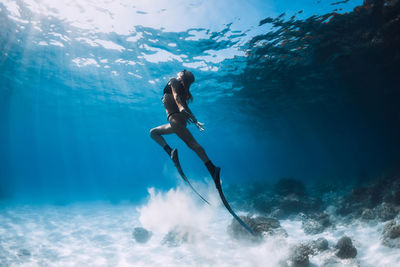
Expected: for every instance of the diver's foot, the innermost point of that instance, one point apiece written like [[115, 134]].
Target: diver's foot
[[216, 178], [174, 156]]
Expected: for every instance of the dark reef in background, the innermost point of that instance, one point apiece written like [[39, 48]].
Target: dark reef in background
[[373, 201], [317, 56], [345, 205], [379, 199], [327, 87]]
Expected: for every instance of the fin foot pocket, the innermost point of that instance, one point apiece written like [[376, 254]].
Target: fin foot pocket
[[174, 156]]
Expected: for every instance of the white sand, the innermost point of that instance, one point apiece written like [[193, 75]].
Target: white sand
[[100, 234]]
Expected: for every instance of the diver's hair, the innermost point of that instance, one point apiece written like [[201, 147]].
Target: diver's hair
[[188, 79]]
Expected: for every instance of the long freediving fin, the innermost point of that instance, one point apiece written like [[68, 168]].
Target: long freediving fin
[[226, 204], [175, 159]]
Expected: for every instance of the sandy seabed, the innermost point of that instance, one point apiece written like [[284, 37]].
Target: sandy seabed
[[100, 234]]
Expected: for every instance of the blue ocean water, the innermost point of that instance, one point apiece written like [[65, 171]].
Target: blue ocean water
[[305, 90], [81, 87]]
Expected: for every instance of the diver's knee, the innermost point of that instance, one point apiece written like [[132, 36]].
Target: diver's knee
[[153, 133]]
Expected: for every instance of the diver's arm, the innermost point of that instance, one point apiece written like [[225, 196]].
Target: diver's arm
[[187, 109], [179, 102], [184, 108], [182, 105]]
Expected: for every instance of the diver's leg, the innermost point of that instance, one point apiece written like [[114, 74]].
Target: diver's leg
[[179, 126], [188, 138], [156, 133]]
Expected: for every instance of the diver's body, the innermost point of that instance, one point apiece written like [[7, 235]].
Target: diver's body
[[175, 98]]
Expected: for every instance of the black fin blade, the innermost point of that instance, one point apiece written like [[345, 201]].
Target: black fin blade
[[228, 207], [179, 168]]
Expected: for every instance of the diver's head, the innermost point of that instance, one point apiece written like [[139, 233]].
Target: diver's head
[[187, 79]]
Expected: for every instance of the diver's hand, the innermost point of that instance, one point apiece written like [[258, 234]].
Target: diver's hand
[[186, 115], [189, 118], [200, 125]]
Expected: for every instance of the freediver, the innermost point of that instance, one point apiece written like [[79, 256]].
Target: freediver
[[175, 99]]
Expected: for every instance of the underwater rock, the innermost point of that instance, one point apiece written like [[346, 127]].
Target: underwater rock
[[293, 205], [298, 256], [176, 237], [332, 262], [321, 244], [277, 213], [288, 197], [289, 186], [380, 197], [391, 235], [141, 235], [345, 247], [386, 211], [367, 214], [317, 224], [260, 225], [354, 202], [312, 227], [24, 253], [265, 203], [396, 192]]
